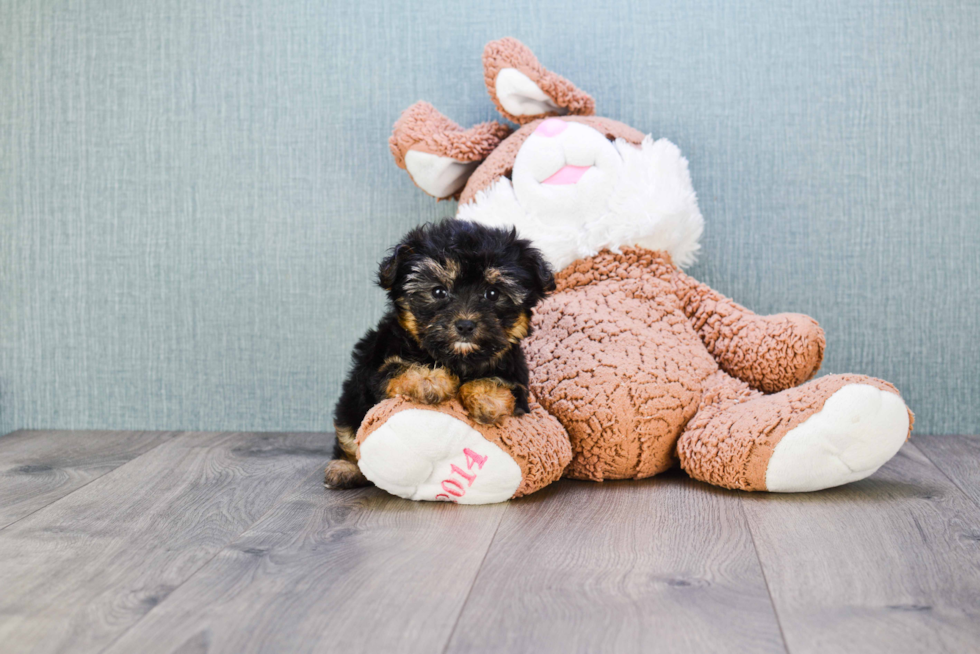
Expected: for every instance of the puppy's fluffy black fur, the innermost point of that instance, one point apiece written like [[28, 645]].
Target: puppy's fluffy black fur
[[460, 300]]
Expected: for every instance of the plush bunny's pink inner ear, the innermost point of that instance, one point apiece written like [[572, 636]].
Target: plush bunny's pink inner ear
[[438, 154], [524, 90]]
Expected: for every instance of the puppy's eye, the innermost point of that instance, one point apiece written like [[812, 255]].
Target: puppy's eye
[[440, 292], [492, 294]]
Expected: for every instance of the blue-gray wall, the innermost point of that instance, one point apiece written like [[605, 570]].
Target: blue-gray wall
[[193, 195]]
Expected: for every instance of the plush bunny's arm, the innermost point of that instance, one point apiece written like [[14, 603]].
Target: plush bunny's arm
[[770, 353]]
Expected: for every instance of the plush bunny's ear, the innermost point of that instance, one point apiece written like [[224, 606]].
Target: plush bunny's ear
[[438, 154], [524, 90]]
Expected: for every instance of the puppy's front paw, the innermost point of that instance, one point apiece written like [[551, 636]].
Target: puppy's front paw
[[342, 475], [424, 385], [487, 400]]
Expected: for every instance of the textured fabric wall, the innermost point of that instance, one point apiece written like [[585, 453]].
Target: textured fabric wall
[[194, 195]]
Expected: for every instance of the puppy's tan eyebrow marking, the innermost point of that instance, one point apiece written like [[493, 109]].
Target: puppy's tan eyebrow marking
[[428, 269], [445, 273], [508, 286], [452, 269]]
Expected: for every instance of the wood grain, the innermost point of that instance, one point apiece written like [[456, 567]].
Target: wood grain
[[40, 467], [228, 543], [888, 564], [665, 564], [78, 573], [329, 571], [959, 459]]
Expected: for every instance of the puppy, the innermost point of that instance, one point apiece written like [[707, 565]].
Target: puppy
[[460, 299]]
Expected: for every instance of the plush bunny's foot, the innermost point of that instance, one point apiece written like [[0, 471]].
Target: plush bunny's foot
[[440, 454], [859, 428], [427, 455], [825, 433]]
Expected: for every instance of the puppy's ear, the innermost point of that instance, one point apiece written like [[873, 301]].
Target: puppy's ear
[[543, 271], [534, 261], [388, 271]]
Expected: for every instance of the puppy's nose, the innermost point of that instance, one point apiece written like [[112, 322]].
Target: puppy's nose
[[465, 327]]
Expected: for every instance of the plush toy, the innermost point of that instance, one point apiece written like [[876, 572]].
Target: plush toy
[[635, 366]]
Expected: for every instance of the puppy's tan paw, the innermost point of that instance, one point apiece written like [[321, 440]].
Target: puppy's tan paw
[[342, 475], [487, 400], [424, 385]]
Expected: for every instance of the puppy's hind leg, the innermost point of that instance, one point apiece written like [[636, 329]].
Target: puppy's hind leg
[[342, 473]]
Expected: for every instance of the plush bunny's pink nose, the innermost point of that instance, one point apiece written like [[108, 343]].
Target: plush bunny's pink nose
[[551, 127]]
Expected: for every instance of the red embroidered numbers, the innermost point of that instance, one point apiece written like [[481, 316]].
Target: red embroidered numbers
[[454, 488]]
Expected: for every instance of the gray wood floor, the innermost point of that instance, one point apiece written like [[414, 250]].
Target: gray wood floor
[[227, 542]]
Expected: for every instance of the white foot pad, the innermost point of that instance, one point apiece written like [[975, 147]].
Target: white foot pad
[[431, 456], [859, 428]]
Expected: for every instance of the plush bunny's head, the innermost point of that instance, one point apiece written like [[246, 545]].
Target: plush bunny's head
[[571, 182]]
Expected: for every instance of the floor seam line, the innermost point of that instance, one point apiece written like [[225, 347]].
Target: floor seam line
[[935, 465], [762, 571], [476, 576]]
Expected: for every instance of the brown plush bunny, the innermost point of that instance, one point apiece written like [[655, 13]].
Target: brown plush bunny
[[634, 364]]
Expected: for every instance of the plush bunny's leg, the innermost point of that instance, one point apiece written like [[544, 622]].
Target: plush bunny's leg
[[828, 432], [772, 353], [437, 453]]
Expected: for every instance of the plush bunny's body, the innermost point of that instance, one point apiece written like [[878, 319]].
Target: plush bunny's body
[[635, 365]]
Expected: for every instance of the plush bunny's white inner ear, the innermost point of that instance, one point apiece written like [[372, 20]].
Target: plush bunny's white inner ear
[[438, 176], [520, 96]]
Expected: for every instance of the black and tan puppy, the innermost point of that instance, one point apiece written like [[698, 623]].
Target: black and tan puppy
[[460, 297]]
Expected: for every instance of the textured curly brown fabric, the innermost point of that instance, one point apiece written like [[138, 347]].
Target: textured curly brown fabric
[[731, 438], [511, 53], [501, 162], [771, 353], [616, 360], [536, 441]]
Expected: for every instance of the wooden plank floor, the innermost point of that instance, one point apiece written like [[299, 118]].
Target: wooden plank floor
[[222, 542]]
